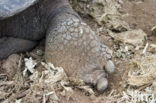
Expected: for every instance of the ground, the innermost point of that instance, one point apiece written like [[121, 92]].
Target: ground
[[138, 14]]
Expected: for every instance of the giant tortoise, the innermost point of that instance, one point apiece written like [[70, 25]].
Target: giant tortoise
[[70, 42]]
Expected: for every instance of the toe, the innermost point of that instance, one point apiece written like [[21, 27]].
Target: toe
[[110, 67], [102, 84]]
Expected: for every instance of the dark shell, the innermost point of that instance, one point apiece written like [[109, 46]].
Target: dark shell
[[11, 7]]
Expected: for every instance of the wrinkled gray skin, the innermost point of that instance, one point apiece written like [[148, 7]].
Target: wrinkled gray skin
[[70, 42]]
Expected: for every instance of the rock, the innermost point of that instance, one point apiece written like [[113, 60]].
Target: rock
[[132, 37]]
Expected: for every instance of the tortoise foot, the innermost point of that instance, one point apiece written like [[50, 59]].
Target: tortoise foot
[[93, 74], [97, 78], [73, 45]]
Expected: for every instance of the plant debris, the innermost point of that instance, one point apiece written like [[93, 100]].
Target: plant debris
[[142, 70]]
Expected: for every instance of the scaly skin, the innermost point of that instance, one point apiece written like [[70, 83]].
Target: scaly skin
[[70, 42], [73, 45]]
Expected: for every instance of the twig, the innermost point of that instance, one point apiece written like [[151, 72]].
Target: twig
[[144, 86], [146, 46], [17, 96], [8, 83]]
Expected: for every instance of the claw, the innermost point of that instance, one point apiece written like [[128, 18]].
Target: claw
[[102, 84], [110, 67]]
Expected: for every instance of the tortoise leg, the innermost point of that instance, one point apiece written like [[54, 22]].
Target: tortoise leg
[[72, 44], [11, 45]]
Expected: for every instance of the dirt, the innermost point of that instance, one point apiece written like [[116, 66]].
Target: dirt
[[139, 15], [77, 97]]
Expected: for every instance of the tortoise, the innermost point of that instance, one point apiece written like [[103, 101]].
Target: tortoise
[[70, 42]]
